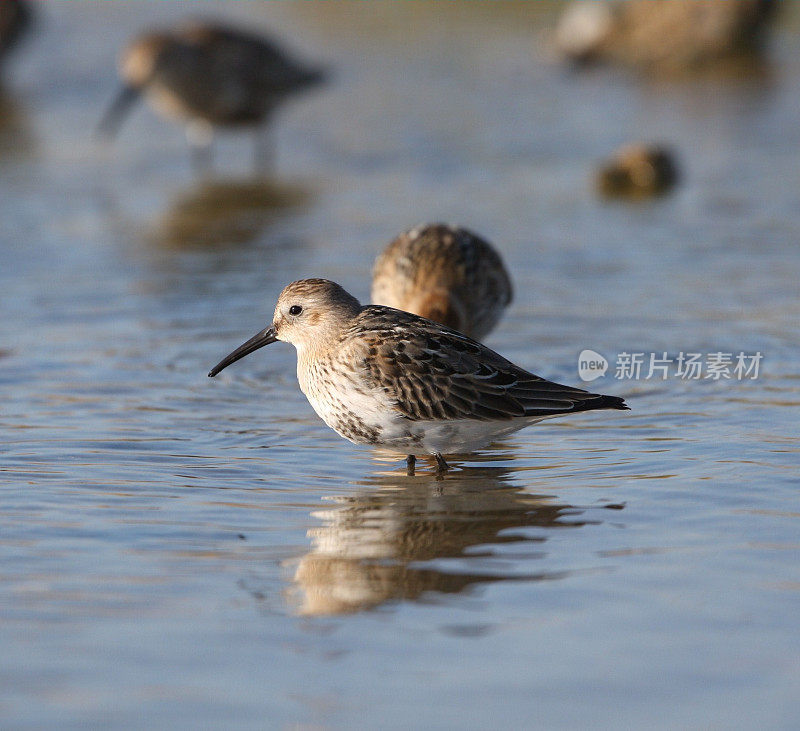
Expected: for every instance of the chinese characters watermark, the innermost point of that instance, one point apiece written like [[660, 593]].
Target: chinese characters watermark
[[715, 366]]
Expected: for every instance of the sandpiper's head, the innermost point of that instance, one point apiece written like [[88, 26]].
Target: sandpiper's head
[[309, 313], [312, 310], [137, 65], [139, 60], [583, 29]]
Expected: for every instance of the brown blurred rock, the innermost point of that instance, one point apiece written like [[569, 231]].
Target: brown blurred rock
[[638, 171]]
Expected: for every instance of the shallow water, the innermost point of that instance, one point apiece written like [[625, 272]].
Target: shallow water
[[181, 551]]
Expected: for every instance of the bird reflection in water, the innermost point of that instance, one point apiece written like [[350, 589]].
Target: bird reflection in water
[[373, 545], [226, 211]]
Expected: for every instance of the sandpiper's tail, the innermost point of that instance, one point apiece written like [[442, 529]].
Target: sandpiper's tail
[[546, 398], [606, 402]]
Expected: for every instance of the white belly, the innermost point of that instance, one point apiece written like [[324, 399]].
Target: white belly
[[461, 436], [366, 416], [362, 415]]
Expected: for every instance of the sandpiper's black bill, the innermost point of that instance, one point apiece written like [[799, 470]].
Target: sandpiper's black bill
[[259, 340], [114, 116]]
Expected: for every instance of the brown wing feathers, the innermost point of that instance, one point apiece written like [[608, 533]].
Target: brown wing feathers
[[431, 372]]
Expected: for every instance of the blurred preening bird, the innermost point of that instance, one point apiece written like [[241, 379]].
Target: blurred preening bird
[[206, 75], [446, 274], [662, 36]]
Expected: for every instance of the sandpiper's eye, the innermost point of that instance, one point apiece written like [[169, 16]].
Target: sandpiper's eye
[[295, 310]]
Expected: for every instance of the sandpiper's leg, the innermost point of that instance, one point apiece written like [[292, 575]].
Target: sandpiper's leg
[[441, 465], [200, 135], [411, 461], [201, 159], [265, 150]]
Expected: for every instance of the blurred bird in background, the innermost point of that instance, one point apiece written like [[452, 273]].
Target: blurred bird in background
[[207, 75], [662, 36], [446, 274]]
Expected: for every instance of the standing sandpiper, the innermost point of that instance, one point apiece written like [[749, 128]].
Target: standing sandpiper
[[207, 75], [664, 36], [391, 379], [444, 273]]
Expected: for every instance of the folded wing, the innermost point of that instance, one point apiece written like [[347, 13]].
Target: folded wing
[[431, 372]]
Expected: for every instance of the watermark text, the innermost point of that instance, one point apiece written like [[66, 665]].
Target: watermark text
[[716, 366]]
